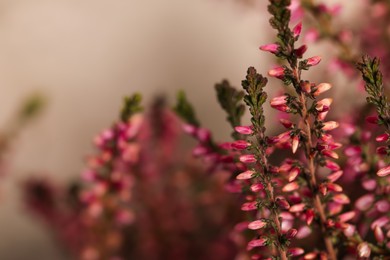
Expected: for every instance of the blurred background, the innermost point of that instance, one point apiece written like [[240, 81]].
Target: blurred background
[[84, 56]]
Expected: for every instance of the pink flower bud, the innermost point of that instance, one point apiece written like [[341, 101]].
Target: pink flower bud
[[335, 176], [286, 123], [369, 184], [203, 135], [240, 144], [379, 236], [372, 120], [330, 125], [324, 104], [310, 256], [295, 143], [349, 230], [363, 250], [272, 48], [311, 35], [257, 243], [382, 138], [280, 100], [341, 199], [334, 187], [300, 51], [297, 30], [245, 130], [277, 72], [353, 151], [257, 187], [313, 61], [249, 206], [297, 207], [248, 158], [321, 88], [293, 174], [296, 251], [257, 224], [365, 202], [290, 187], [332, 165], [330, 154], [384, 171], [381, 150], [380, 222], [309, 216], [245, 175], [282, 203], [383, 205], [190, 129], [345, 217], [291, 233]]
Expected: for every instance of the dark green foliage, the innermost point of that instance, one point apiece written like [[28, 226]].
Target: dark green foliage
[[230, 100], [131, 106], [255, 98], [372, 77], [185, 109]]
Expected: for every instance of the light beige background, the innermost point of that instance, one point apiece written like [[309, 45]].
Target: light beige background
[[85, 55]]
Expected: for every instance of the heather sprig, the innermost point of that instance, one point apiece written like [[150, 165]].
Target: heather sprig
[[311, 131], [230, 100]]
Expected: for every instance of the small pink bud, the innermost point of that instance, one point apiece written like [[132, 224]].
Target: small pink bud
[[257, 224], [365, 202], [349, 230], [297, 207], [382, 138], [300, 51], [345, 217], [297, 30], [332, 165], [286, 123], [330, 125], [381, 150], [380, 222], [341, 199], [280, 100], [245, 175], [313, 61], [353, 151], [282, 203], [323, 189], [384, 171], [369, 184], [190, 129], [240, 144], [383, 205], [372, 120], [334, 187], [379, 236], [295, 143], [363, 250], [296, 251], [203, 135], [291, 233], [245, 130], [257, 187], [290, 187], [247, 158], [277, 72], [324, 104], [310, 256], [257, 243], [249, 206], [330, 154], [309, 215], [293, 174], [335, 176], [321, 88], [272, 48]]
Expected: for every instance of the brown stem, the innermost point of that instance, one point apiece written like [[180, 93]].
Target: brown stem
[[274, 213], [313, 182]]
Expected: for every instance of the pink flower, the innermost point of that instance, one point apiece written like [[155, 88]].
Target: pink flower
[[295, 144], [372, 120], [240, 144], [249, 206], [257, 224], [257, 187], [297, 207], [245, 130], [330, 125], [277, 72], [335, 176], [297, 30], [345, 217], [321, 88], [341, 199], [245, 175], [272, 48], [379, 236], [382, 138], [384, 171], [290, 187], [257, 243], [365, 202], [296, 251], [313, 61], [363, 250], [248, 158]]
